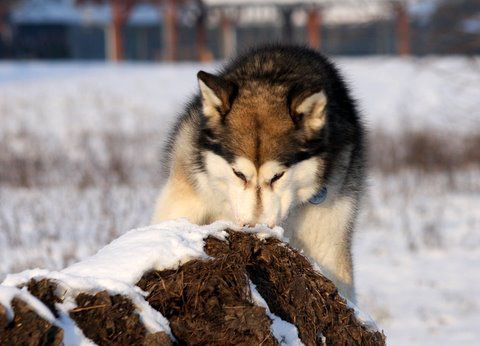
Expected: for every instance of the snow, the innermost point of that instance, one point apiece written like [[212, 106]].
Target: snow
[[416, 260], [163, 246], [262, 231], [363, 316], [119, 266], [417, 244], [285, 332], [416, 93], [72, 335], [8, 293], [71, 285]]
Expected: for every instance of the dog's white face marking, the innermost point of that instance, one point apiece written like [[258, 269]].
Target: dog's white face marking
[[263, 196]]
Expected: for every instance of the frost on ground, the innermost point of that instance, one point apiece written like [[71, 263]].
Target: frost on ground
[[80, 165]]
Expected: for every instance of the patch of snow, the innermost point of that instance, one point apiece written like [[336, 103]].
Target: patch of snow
[[317, 268], [416, 252], [153, 320], [395, 95], [362, 316], [262, 232], [72, 335], [8, 293], [417, 93], [71, 285], [163, 246], [285, 332]]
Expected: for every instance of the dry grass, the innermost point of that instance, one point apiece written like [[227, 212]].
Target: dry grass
[[63, 202], [28, 160], [424, 151], [106, 159]]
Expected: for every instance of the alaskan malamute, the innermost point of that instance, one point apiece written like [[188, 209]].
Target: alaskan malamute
[[273, 138]]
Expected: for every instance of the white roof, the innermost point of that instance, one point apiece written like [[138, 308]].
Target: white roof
[[243, 3], [336, 11]]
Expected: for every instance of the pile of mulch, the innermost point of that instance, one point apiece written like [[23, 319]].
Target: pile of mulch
[[27, 328], [103, 318], [207, 302]]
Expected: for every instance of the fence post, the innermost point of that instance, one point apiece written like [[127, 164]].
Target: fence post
[[170, 33], [403, 29], [201, 34], [229, 36], [314, 26]]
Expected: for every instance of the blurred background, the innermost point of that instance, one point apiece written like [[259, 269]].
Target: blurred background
[[89, 89], [213, 29]]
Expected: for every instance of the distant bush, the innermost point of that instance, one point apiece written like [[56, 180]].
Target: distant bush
[[29, 160], [100, 159], [427, 152]]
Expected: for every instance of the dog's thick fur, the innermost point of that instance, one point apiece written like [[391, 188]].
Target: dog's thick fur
[[263, 137]]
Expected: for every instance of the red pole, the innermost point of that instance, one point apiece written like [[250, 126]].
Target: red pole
[[229, 36], [314, 26], [170, 34], [117, 19], [403, 30], [120, 11], [201, 35]]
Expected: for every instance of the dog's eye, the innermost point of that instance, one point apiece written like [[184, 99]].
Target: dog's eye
[[276, 177], [240, 175]]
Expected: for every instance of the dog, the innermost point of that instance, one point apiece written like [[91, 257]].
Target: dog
[[273, 138]]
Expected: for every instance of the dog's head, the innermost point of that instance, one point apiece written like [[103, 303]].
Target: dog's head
[[262, 145]]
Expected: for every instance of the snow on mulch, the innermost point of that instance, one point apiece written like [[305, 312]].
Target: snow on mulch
[[146, 270]]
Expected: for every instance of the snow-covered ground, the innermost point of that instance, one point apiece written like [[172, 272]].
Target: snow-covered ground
[[80, 152]]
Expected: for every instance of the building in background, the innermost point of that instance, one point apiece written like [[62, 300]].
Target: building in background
[[213, 29]]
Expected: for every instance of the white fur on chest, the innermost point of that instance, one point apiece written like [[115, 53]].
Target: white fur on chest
[[321, 230], [323, 233]]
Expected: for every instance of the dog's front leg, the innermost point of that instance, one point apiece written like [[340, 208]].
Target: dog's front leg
[[179, 199], [324, 233]]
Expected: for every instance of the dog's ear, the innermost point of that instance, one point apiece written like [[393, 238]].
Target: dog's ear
[[218, 95], [308, 109]]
